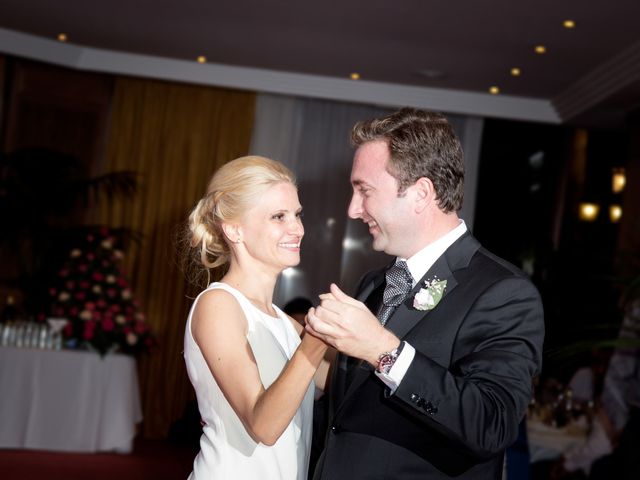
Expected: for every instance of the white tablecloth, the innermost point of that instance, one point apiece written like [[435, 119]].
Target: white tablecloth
[[549, 443], [67, 400]]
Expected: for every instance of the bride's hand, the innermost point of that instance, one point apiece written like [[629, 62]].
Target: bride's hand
[[313, 346]]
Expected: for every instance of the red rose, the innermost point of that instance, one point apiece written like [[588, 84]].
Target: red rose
[[73, 311], [97, 276], [140, 327], [84, 284], [90, 256], [52, 292], [83, 268], [80, 295], [89, 327], [107, 324]]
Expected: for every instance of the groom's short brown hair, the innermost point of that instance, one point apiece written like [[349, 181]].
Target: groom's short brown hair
[[421, 144]]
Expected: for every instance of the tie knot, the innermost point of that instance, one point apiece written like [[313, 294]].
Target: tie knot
[[399, 283]]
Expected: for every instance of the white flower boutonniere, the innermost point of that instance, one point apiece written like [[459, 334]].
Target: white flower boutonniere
[[429, 295]]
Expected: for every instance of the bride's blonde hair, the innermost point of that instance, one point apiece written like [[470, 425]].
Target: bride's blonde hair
[[234, 188]]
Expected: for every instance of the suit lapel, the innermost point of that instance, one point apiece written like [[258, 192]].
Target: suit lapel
[[406, 316]]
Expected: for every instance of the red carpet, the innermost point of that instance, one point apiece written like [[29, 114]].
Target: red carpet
[[151, 459]]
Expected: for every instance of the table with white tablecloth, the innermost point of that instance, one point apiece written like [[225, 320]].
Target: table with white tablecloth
[[550, 443], [71, 401]]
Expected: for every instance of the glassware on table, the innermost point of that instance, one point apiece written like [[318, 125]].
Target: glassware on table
[[56, 325]]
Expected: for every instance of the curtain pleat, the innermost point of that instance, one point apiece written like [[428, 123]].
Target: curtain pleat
[[174, 136]]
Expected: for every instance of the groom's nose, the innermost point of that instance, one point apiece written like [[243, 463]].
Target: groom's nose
[[355, 206]]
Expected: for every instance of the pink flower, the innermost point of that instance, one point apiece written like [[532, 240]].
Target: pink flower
[[122, 282], [90, 306], [84, 284], [80, 295]]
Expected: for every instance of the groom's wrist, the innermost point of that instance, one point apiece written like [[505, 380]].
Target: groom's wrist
[[387, 359]]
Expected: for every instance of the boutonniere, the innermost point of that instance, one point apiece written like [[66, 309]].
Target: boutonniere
[[429, 295]]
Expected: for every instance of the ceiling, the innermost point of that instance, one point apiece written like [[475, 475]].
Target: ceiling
[[590, 73]]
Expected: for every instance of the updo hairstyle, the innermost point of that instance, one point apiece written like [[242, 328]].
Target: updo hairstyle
[[234, 188]]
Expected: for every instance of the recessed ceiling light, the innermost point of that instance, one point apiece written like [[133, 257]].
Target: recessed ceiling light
[[569, 24], [62, 37], [494, 90], [540, 49], [515, 71], [202, 59], [354, 76]]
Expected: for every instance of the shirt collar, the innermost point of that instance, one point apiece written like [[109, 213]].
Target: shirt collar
[[422, 261]]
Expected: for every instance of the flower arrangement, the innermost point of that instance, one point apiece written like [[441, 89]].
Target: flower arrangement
[[92, 292]]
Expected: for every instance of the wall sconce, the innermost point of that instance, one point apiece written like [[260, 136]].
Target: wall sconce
[[615, 213], [618, 180], [588, 212]]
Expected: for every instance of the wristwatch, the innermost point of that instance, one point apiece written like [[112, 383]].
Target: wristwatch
[[386, 360]]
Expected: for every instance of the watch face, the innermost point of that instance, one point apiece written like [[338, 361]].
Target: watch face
[[385, 362]]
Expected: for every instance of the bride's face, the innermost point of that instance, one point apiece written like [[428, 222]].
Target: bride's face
[[272, 230]]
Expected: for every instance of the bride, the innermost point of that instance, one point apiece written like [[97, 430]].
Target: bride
[[252, 372]]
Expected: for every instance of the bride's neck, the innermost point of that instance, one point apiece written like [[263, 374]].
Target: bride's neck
[[257, 286]]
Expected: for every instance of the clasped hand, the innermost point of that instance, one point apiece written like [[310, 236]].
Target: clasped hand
[[347, 324]]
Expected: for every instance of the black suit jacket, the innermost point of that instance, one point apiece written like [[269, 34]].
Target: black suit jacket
[[459, 404]]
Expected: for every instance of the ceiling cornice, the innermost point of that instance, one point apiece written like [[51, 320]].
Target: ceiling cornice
[[601, 83], [244, 78]]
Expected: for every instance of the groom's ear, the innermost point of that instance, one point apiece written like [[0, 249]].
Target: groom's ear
[[425, 194]]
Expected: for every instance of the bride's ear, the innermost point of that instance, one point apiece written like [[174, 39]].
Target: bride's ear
[[232, 232]]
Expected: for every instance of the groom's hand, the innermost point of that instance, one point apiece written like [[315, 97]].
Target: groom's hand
[[349, 326]]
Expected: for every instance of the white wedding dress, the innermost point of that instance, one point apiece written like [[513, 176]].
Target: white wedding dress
[[226, 449]]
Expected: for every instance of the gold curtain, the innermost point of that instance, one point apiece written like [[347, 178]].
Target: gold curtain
[[174, 136]]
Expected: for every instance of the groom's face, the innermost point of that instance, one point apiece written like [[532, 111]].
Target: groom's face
[[376, 202]]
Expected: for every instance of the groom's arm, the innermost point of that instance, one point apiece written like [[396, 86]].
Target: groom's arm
[[479, 400]]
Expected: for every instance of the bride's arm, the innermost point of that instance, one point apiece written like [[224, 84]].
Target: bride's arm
[[219, 328]]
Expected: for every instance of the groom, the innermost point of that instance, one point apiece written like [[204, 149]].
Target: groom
[[434, 384]]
